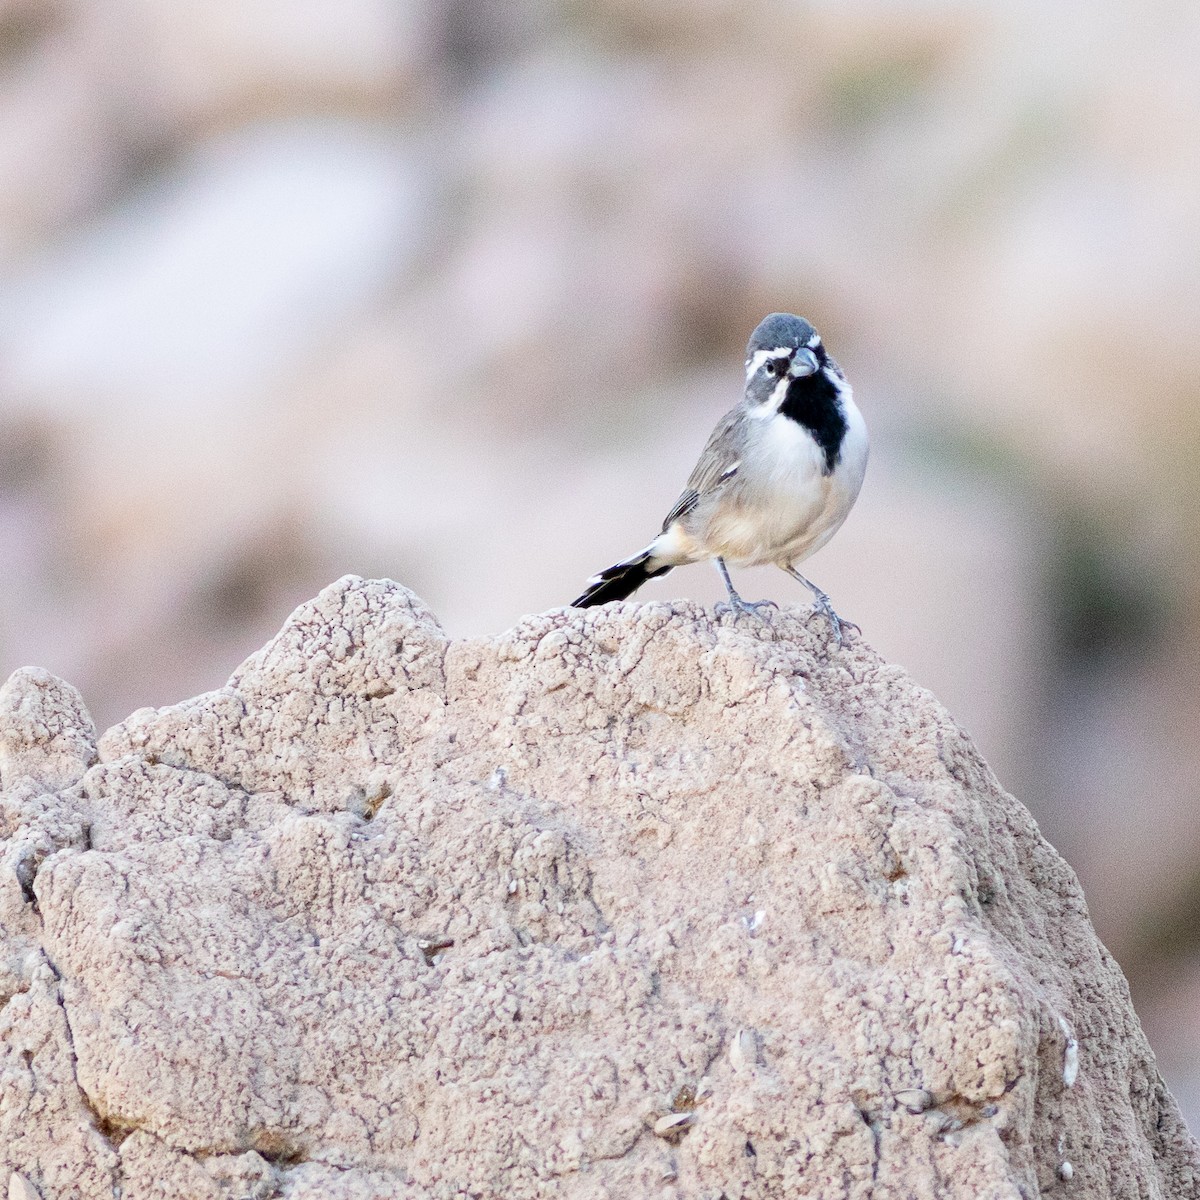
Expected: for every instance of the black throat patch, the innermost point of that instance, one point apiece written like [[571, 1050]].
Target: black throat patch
[[812, 401]]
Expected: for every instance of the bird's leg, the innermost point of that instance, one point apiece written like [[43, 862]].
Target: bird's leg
[[835, 622], [736, 603]]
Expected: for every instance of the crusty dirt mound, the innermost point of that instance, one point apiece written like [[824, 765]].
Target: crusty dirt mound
[[627, 902]]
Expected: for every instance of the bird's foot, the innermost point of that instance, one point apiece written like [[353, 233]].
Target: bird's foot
[[739, 607], [836, 624]]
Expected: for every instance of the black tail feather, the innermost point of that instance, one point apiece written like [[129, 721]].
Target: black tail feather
[[619, 582]]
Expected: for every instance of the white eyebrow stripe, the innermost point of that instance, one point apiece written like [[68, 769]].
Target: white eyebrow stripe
[[759, 357]]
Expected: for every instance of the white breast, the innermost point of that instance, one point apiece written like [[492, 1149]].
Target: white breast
[[789, 507]]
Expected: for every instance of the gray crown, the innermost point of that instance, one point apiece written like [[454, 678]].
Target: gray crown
[[780, 330]]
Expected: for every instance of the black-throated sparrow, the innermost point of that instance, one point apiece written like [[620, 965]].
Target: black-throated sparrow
[[778, 477]]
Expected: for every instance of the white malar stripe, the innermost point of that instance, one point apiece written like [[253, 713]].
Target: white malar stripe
[[778, 396], [764, 412]]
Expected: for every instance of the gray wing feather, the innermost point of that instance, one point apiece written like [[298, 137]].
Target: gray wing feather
[[718, 463]]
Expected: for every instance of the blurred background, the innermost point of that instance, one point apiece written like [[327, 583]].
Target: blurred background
[[452, 292]]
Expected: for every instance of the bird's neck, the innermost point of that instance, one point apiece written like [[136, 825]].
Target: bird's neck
[[814, 401]]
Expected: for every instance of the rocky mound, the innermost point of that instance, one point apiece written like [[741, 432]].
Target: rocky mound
[[624, 902]]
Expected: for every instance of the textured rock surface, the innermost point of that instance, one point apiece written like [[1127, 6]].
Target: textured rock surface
[[621, 903]]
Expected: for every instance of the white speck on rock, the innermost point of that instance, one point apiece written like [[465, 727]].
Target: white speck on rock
[[673, 1124], [1070, 1055], [19, 1188], [743, 1050], [914, 1100]]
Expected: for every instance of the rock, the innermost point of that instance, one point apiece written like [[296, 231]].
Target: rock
[[395, 915], [46, 733]]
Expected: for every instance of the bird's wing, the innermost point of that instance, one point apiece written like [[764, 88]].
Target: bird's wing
[[718, 463]]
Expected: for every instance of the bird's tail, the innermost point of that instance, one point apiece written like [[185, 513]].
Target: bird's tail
[[619, 581]]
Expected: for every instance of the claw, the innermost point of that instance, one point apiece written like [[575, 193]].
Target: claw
[[836, 623], [737, 606], [823, 606]]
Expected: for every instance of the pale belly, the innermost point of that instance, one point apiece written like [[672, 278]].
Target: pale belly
[[793, 508]]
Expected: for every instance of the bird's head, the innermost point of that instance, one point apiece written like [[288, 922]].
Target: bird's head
[[783, 348]]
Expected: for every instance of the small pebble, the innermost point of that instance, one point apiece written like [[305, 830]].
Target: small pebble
[[431, 948], [915, 1100], [743, 1050], [1065, 1170], [674, 1124]]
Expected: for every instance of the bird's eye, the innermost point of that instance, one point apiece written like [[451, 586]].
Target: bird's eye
[[770, 366]]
